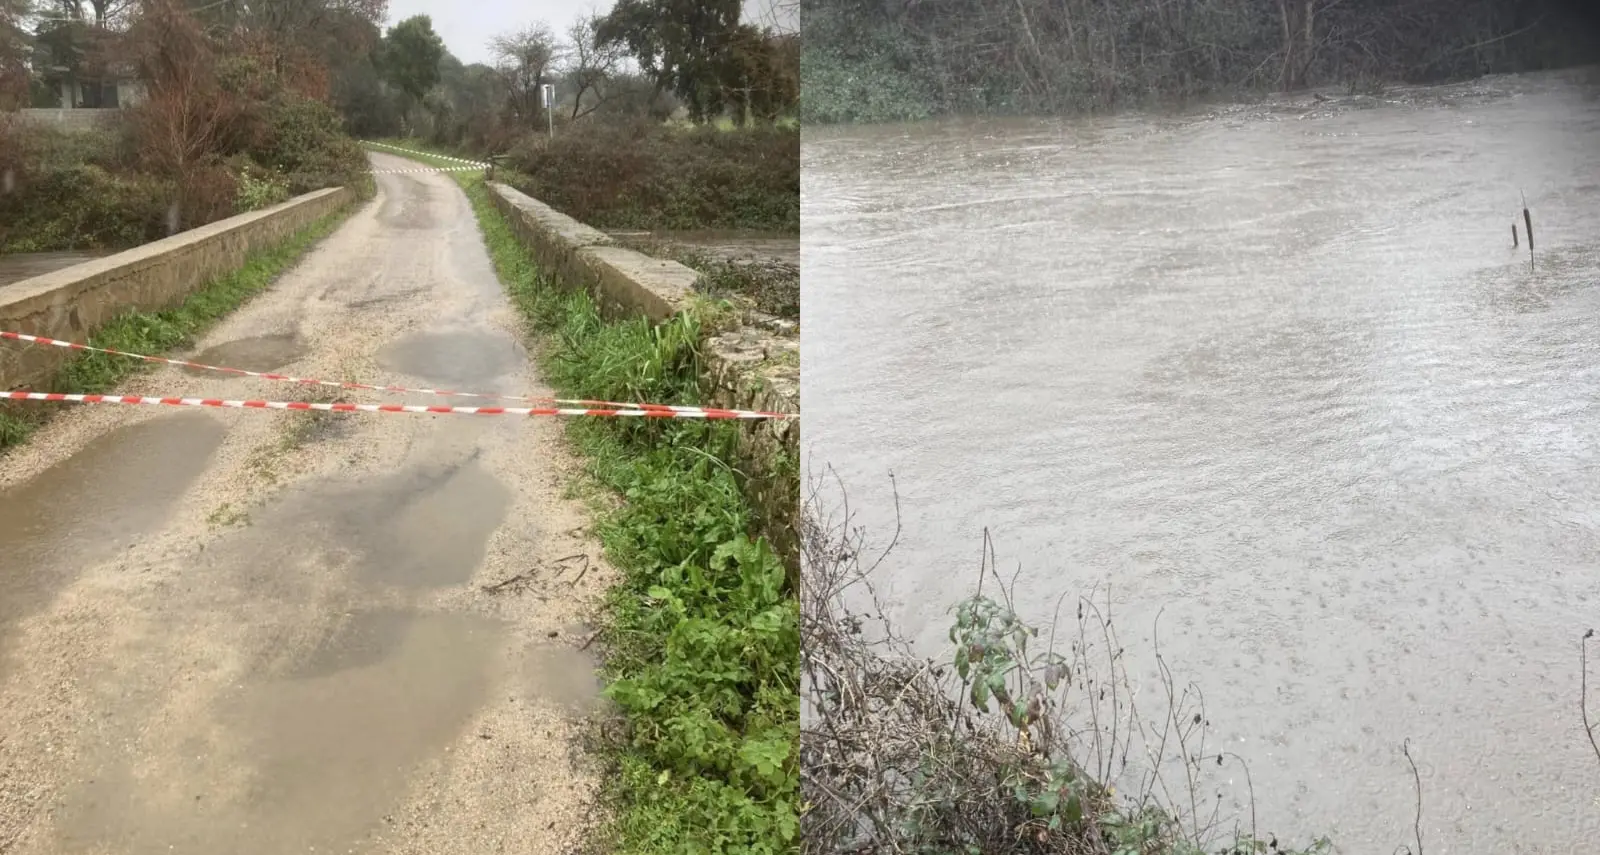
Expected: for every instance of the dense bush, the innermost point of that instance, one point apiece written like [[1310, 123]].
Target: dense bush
[[82, 206], [653, 176], [101, 189], [871, 61], [285, 131], [74, 190]]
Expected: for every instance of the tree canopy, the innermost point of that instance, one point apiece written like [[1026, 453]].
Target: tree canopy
[[410, 54]]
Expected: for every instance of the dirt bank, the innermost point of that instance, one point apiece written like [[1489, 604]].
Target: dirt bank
[[252, 631]]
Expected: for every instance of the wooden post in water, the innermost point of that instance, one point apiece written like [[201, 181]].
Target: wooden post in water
[[1527, 220], [1514, 243]]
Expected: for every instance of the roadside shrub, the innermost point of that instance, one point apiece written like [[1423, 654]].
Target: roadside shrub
[[208, 193], [257, 193], [37, 145], [82, 206], [647, 175], [304, 140]]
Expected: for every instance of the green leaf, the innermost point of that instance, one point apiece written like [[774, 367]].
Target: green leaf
[[1075, 810]]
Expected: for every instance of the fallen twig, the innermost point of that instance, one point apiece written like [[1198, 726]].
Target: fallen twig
[[581, 573], [1583, 689], [520, 577], [1416, 777]]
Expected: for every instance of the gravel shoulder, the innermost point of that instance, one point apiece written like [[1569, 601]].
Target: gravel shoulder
[[259, 631]]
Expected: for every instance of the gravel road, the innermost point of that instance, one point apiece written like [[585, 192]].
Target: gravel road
[[269, 632]]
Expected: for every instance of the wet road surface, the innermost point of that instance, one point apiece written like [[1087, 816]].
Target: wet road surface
[[265, 632], [1278, 371]]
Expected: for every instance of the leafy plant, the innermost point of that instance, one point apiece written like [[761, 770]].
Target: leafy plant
[[980, 751], [257, 193]]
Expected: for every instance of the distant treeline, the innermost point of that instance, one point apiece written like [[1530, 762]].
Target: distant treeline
[[876, 60]]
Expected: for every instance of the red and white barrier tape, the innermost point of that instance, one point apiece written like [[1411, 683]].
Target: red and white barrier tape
[[429, 169], [411, 151], [684, 411], [372, 408]]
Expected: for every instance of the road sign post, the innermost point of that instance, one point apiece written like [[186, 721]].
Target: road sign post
[[547, 94]]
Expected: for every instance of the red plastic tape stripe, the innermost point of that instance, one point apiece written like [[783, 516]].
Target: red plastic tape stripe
[[265, 375], [375, 408]]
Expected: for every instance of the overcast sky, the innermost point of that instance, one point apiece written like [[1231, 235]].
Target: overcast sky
[[467, 25]]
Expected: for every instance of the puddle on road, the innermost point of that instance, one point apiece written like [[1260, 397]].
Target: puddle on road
[[564, 676], [95, 502], [360, 641], [311, 762], [457, 359], [411, 209], [257, 353], [423, 527]]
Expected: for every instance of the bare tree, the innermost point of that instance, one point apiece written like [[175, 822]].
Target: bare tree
[[180, 123], [524, 61], [589, 66]]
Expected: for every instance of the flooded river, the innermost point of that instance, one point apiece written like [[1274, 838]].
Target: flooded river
[[1277, 370]]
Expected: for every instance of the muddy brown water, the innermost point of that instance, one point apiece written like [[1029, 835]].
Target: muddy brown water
[[159, 459], [1277, 371], [252, 353]]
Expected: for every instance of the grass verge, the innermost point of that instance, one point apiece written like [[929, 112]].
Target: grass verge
[[159, 332], [701, 635]]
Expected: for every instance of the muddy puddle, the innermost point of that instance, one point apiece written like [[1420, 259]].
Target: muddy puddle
[[413, 210], [426, 526], [256, 353], [305, 763], [95, 503], [564, 676], [467, 361]]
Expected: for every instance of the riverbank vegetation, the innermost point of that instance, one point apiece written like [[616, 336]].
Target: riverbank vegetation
[[865, 60], [227, 116], [1016, 741], [701, 638]]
